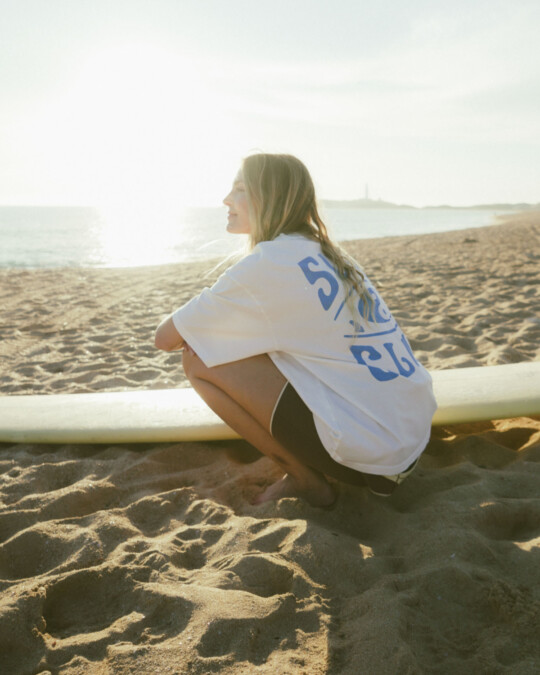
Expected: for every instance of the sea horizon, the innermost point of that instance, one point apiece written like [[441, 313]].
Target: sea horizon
[[85, 236]]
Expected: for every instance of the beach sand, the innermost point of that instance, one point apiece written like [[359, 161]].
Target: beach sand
[[151, 559]]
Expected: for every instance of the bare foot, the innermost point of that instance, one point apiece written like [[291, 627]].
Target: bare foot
[[316, 495]]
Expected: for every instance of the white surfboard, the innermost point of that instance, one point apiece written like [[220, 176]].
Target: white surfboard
[[463, 395], [486, 393]]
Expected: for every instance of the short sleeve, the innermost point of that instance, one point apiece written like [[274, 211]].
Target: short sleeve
[[225, 323]]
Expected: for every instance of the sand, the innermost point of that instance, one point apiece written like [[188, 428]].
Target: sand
[[151, 559]]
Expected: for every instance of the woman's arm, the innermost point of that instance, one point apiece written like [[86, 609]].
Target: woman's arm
[[167, 337]]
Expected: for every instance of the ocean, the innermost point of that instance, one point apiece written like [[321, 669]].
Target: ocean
[[43, 237]]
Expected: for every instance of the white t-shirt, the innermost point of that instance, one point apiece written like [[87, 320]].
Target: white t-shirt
[[372, 401]]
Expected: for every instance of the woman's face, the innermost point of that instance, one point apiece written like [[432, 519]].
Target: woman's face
[[238, 218]]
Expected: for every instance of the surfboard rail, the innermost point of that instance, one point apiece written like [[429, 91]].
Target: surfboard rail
[[486, 392], [169, 415]]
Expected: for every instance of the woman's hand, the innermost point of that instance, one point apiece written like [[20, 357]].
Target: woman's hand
[[167, 337]]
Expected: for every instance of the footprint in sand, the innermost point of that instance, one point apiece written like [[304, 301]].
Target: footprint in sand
[[144, 375], [262, 574], [26, 371], [254, 629], [273, 537], [509, 520], [105, 337], [113, 383], [109, 602], [57, 366], [187, 555], [46, 548]]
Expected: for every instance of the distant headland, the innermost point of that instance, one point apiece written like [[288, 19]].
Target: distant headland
[[380, 204]]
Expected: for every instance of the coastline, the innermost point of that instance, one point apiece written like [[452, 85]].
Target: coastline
[[150, 558], [48, 237], [76, 330]]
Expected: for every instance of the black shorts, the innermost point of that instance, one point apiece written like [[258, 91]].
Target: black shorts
[[294, 427]]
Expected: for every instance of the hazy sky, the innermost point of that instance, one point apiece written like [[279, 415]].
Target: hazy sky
[[131, 102]]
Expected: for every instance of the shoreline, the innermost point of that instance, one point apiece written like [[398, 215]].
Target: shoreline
[[194, 255], [463, 298]]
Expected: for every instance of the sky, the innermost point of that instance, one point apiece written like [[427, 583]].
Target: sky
[[132, 104]]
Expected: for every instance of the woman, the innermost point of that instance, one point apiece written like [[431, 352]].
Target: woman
[[296, 351]]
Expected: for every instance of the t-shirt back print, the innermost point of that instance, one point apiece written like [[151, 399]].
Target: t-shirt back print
[[371, 320]]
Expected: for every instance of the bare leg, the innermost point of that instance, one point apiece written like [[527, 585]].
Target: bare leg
[[243, 394]]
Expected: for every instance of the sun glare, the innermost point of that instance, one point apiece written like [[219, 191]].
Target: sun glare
[[137, 122], [136, 125], [137, 234]]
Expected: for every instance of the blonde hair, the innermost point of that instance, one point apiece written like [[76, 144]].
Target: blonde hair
[[281, 198]]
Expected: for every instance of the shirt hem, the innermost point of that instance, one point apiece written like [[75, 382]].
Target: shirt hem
[[380, 470]]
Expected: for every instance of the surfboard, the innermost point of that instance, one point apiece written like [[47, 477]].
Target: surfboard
[[168, 415], [486, 393]]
